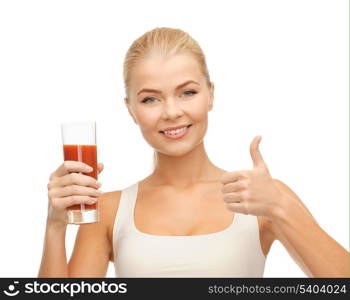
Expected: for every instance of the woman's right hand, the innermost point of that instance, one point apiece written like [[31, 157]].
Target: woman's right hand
[[68, 186]]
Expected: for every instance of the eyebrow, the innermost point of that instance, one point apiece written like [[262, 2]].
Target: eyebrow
[[158, 92]]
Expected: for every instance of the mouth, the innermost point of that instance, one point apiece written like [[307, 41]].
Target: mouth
[[176, 134]]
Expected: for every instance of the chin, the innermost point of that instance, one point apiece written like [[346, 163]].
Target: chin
[[177, 150], [178, 153]]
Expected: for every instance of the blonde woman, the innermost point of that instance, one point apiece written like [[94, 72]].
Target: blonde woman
[[188, 218]]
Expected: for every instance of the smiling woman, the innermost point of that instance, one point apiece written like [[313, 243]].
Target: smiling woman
[[188, 218]]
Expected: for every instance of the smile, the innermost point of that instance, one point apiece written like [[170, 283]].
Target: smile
[[176, 134]]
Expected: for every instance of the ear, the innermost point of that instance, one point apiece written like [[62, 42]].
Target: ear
[[211, 96], [127, 103]]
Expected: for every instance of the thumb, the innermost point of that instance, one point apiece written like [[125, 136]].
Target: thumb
[[257, 158]]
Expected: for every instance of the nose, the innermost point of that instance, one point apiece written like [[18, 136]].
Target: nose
[[171, 109]]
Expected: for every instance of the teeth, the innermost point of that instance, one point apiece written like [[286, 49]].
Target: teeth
[[177, 131]]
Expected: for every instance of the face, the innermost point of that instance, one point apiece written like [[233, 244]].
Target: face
[[170, 92]]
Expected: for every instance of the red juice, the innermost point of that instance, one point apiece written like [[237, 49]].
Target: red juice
[[86, 154]]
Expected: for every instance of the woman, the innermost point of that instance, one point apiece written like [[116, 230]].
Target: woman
[[188, 218]]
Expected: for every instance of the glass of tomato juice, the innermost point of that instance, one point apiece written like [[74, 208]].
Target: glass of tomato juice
[[79, 144]]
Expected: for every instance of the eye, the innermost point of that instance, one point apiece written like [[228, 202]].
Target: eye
[[145, 100], [189, 93]]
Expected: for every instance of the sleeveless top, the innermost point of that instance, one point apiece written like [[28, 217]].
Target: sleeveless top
[[232, 252]]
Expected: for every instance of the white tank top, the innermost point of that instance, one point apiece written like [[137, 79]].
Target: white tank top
[[232, 252]]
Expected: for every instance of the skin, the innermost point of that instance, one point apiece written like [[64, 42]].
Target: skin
[[186, 194]]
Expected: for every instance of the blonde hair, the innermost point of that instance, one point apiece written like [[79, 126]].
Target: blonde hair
[[166, 42]]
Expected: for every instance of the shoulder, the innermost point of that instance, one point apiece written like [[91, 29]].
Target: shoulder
[[295, 200], [267, 226], [108, 206], [108, 201]]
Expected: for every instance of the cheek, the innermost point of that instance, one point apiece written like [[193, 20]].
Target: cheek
[[147, 119], [198, 111]]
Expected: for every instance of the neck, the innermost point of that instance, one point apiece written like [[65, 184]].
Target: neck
[[186, 170]]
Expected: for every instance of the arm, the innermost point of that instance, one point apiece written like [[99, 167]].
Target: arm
[[318, 254], [256, 193], [68, 186], [92, 248], [54, 261]]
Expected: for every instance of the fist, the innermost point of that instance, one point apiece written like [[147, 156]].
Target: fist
[[253, 191], [69, 185]]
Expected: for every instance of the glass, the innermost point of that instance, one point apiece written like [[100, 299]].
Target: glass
[[79, 144]]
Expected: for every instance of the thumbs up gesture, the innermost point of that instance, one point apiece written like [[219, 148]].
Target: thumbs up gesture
[[252, 191]]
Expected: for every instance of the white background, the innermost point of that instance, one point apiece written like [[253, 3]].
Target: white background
[[280, 69]]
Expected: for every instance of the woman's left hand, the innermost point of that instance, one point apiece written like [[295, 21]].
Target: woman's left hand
[[254, 191]]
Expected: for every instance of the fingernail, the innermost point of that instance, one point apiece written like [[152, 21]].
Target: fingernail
[[92, 200], [99, 192], [88, 168], [98, 184]]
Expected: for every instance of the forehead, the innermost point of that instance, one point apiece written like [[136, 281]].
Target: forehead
[[158, 71]]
